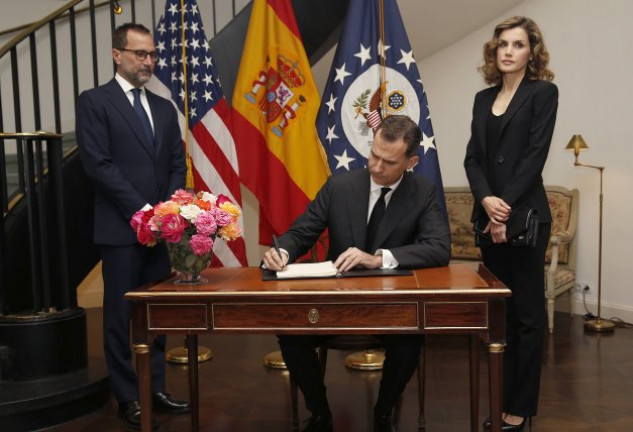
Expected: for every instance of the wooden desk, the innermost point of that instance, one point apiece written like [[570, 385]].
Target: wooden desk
[[453, 299]]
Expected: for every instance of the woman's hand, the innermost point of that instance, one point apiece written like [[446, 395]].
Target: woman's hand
[[497, 232], [497, 209]]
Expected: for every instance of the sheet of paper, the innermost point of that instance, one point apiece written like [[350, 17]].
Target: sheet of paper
[[308, 270]]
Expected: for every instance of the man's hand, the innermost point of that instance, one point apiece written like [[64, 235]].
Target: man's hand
[[354, 257], [496, 208], [273, 261]]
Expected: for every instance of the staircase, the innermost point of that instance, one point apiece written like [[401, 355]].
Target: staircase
[[50, 63]]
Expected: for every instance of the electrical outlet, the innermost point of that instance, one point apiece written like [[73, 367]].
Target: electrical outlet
[[584, 287]]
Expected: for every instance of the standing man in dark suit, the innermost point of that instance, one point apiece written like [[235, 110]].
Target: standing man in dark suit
[[130, 146], [379, 217]]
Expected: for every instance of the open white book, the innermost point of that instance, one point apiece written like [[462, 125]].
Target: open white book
[[308, 270]]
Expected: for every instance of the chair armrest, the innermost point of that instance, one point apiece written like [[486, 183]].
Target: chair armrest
[[561, 237], [553, 265]]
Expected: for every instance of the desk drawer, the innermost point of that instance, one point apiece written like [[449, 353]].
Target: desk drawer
[[177, 316], [455, 315], [322, 316]]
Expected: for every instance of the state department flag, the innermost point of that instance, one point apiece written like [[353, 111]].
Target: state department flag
[[352, 104], [194, 87], [275, 102]]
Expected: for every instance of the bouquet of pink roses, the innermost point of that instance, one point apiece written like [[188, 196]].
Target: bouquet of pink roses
[[197, 219]]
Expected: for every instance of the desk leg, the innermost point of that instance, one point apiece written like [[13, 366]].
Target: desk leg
[[144, 381], [192, 357], [495, 356], [475, 347]]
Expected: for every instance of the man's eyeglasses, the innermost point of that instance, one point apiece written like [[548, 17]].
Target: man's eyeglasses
[[141, 54]]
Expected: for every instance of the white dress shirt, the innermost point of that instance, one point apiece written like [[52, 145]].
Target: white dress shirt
[[388, 260]]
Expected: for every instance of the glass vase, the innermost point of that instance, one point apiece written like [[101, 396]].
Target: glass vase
[[187, 264]]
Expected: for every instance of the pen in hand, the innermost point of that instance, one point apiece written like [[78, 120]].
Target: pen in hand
[[276, 246]]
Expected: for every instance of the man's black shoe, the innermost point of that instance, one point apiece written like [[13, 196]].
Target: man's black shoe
[[383, 423], [162, 402], [130, 412], [320, 423]]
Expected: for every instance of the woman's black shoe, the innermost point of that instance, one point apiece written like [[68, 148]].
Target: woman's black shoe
[[507, 427]]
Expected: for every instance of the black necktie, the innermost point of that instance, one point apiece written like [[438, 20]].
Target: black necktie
[[142, 115], [374, 219]]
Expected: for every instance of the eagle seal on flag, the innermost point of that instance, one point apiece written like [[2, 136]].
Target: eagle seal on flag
[[360, 114]]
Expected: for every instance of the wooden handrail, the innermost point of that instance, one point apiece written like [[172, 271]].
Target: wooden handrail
[[63, 15], [37, 134], [36, 25]]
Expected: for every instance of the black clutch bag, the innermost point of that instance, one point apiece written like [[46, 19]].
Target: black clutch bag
[[521, 229]]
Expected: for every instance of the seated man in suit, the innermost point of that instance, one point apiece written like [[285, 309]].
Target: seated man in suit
[[379, 217]]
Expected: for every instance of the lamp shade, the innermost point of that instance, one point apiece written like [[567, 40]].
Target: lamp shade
[[576, 143]]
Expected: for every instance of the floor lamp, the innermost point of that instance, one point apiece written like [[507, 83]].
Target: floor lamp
[[596, 325]]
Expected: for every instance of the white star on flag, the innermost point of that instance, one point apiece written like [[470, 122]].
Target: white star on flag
[[427, 142], [363, 54], [407, 58], [331, 103], [341, 73], [343, 160], [331, 135]]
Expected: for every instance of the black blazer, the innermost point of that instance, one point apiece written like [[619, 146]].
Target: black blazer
[[413, 227], [128, 170], [524, 140]]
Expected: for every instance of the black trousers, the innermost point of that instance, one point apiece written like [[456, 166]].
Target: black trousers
[[522, 270], [402, 354], [126, 268]]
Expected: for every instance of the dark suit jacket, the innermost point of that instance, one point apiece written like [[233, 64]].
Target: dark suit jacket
[[117, 155], [413, 227], [524, 139]]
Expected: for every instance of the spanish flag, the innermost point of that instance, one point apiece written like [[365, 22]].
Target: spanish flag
[[275, 103]]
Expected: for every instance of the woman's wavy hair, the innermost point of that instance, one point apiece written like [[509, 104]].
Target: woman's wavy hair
[[536, 67]]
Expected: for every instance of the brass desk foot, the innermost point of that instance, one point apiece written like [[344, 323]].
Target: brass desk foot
[[179, 355], [274, 360], [369, 360]]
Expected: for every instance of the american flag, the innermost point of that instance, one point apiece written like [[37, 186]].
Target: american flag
[[207, 128], [352, 106]]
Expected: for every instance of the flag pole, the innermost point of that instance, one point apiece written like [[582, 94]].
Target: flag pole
[[383, 59], [371, 359], [189, 182], [180, 355]]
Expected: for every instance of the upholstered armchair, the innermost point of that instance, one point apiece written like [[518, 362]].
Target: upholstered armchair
[[560, 274]]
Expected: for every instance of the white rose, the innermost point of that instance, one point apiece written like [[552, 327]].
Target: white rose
[[190, 212], [209, 197]]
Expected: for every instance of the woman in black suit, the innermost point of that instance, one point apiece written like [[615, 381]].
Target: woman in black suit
[[512, 127]]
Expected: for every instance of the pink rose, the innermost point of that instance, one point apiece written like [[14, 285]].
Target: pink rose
[[141, 218], [172, 227], [137, 220], [181, 196], [201, 244], [222, 217], [206, 224]]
